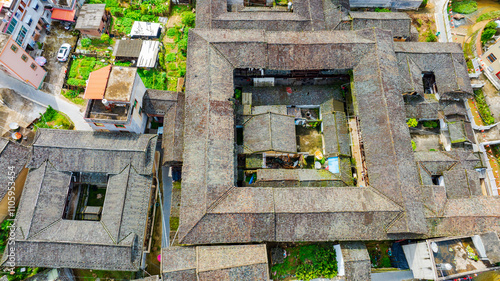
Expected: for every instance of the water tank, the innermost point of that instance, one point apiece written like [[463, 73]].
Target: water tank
[[105, 102]]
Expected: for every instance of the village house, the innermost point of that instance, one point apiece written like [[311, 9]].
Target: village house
[[141, 53], [93, 20], [490, 59], [16, 62], [115, 100], [86, 201]]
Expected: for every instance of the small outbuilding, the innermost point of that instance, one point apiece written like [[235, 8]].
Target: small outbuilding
[[93, 20], [145, 30], [127, 50]]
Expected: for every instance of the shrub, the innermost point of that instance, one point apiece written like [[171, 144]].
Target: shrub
[[173, 32], [188, 18], [170, 57], [431, 37], [171, 66], [382, 10], [491, 25], [86, 42], [483, 108], [424, 3], [487, 35], [412, 122], [464, 7], [430, 124], [488, 16], [117, 12], [413, 145], [76, 82]]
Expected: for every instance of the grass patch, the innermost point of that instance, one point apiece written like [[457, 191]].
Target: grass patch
[[307, 262], [53, 119], [483, 108], [488, 16], [174, 223], [73, 96], [179, 9], [382, 10], [464, 7]]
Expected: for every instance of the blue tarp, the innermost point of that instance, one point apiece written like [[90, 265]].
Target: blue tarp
[[333, 165]]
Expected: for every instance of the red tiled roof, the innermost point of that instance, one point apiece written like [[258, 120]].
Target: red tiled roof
[[97, 82], [66, 15]]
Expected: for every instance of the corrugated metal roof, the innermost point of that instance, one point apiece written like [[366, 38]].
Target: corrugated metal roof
[[97, 83], [65, 15], [149, 54]]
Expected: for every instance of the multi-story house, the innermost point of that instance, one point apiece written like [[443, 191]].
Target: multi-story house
[[115, 100], [25, 21]]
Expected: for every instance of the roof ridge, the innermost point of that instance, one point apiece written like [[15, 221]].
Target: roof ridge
[[220, 199], [45, 228], [394, 220], [128, 166]]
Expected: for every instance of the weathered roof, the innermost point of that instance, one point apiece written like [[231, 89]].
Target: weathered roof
[[120, 83], [445, 60], [91, 151], [398, 23], [242, 262], [90, 16], [336, 134], [13, 158], [44, 239], [457, 131], [269, 132], [149, 54], [128, 48], [214, 210], [357, 262]]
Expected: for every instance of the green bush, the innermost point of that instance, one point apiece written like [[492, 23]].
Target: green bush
[[491, 25], [488, 16], [111, 3], [424, 3], [464, 7], [170, 57], [412, 122], [413, 145], [430, 124], [483, 108], [105, 37], [171, 66], [117, 11], [86, 42], [487, 35], [382, 10], [173, 32], [431, 37], [76, 82], [188, 18]]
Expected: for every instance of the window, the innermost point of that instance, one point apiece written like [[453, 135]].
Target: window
[[36, 7], [491, 58], [120, 126], [98, 124], [12, 26], [30, 21], [21, 35], [140, 110], [135, 103], [13, 48], [33, 66], [24, 57]]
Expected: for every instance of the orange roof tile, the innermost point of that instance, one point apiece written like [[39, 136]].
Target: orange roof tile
[[97, 83], [66, 15]]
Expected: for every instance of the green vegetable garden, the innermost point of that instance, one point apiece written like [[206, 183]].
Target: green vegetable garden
[[81, 68], [483, 108], [307, 262]]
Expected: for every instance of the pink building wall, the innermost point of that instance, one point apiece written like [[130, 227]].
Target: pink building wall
[[13, 63]]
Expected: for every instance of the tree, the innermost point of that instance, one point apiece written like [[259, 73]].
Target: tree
[[86, 42], [412, 122], [188, 18], [487, 34], [105, 37]]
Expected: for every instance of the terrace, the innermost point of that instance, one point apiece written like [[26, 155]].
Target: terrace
[[97, 110]]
